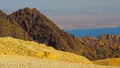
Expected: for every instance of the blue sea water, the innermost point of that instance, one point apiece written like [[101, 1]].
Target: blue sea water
[[93, 32]]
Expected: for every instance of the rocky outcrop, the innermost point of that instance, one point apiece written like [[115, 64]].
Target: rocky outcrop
[[43, 30], [2, 14], [12, 29], [104, 46]]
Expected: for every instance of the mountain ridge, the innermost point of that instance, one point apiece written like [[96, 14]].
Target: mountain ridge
[[30, 24], [101, 47], [43, 30], [10, 28]]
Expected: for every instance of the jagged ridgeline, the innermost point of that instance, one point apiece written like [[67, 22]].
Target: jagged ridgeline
[[101, 47], [30, 24], [39, 28], [11, 28]]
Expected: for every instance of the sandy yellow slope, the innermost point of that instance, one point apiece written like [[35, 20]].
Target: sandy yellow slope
[[16, 53], [11, 46], [111, 61], [17, 61]]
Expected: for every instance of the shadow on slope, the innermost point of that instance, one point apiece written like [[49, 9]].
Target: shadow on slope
[[110, 62]]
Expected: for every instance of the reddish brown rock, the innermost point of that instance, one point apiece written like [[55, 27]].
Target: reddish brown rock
[[104, 46], [12, 29], [43, 30]]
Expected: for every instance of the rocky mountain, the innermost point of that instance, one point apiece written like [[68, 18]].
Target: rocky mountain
[[2, 14], [8, 28], [104, 46], [43, 30], [30, 24]]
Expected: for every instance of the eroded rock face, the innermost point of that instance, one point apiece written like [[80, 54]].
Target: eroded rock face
[[43, 30], [2, 14], [104, 46], [8, 28]]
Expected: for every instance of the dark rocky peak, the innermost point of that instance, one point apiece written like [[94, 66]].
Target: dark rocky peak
[[25, 17], [8, 29], [2, 14], [11, 28], [29, 11], [43, 30], [28, 18]]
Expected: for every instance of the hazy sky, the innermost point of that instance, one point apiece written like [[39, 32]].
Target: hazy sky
[[60, 4], [73, 13]]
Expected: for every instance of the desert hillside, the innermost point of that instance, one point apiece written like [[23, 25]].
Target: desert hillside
[[30, 24], [28, 54], [11, 46]]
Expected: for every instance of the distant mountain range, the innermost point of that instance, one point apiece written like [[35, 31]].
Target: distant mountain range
[[93, 32]]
